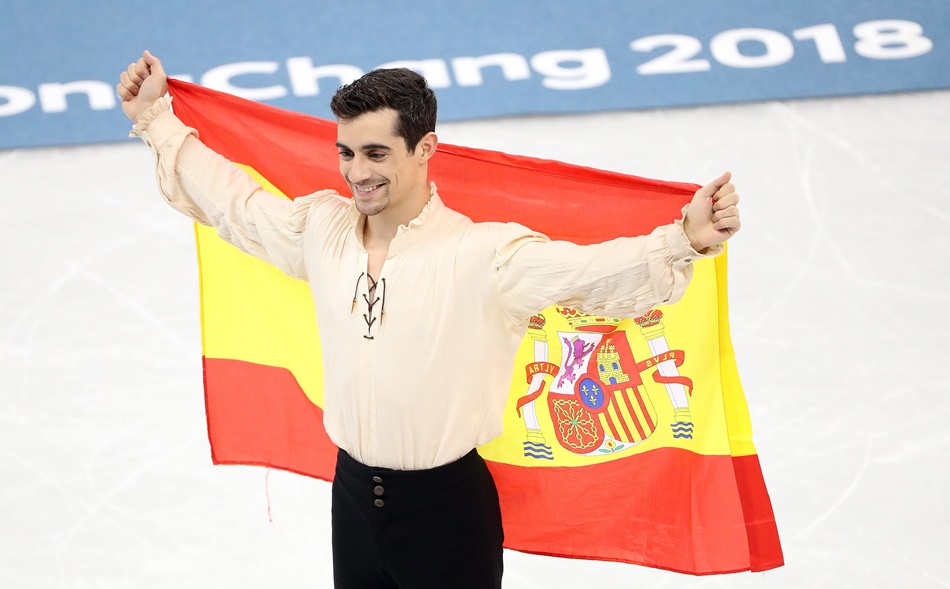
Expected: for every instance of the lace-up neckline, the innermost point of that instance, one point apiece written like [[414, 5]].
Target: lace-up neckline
[[375, 293]]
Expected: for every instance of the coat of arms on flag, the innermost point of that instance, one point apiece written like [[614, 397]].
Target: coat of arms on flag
[[597, 400]]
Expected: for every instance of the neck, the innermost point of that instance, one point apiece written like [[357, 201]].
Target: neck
[[381, 228]]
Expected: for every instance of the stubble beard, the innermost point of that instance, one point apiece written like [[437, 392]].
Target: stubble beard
[[374, 207]]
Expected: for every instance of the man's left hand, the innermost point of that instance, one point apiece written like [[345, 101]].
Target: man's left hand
[[712, 216]]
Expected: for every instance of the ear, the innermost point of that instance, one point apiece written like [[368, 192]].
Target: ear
[[427, 146]]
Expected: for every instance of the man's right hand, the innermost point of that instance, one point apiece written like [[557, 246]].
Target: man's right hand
[[141, 85]]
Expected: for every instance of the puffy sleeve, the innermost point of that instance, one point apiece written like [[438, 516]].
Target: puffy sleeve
[[211, 190], [624, 277]]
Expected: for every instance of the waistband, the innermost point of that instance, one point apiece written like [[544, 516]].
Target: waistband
[[461, 469]]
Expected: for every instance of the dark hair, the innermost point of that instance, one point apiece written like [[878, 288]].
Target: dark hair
[[400, 89]]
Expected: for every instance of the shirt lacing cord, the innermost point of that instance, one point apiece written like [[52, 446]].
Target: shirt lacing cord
[[369, 317]]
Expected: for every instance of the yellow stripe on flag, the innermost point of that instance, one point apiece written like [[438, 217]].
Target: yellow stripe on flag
[[738, 421], [233, 321]]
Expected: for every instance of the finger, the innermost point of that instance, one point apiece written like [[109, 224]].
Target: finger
[[154, 64], [123, 93], [730, 224], [725, 189], [134, 75], [711, 188], [128, 84], [729, 200], [732, 211], [140, 70]]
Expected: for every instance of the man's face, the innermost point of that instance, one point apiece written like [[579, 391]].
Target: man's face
[[375, 163]]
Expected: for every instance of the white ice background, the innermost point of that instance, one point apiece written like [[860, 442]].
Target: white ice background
[[839, 294]]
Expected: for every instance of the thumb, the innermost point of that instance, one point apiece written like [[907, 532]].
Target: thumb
[[710, 189], [154, 64]]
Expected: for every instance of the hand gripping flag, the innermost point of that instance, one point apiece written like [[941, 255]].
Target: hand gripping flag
[[625, 439]]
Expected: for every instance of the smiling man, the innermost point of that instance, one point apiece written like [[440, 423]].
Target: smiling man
[[396, 276], [385, 142]]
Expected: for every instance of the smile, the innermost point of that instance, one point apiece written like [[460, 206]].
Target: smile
[[366, 189]]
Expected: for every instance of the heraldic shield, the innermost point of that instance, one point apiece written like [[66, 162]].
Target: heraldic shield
[[604, 408], [597, 400]]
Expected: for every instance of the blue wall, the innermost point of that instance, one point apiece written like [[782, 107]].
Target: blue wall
[[59, 61]]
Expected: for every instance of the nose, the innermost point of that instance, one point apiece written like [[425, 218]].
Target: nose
[[357, 170]]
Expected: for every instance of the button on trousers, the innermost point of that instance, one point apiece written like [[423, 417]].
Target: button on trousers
[[438, 528]]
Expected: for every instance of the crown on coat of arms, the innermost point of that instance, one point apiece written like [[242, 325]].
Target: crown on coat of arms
[[580, 321], [536, 322], [649, 319]]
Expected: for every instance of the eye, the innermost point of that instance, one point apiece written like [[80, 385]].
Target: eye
[[346, 154], [377, 155]]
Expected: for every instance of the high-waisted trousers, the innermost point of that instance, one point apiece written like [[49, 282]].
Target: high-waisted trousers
[[438, 528]]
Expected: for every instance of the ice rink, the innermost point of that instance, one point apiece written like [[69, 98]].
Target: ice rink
[[839, 306]]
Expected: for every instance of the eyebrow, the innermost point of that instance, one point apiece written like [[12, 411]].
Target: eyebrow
[[367, 147]]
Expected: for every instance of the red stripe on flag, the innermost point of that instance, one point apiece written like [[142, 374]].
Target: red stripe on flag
[[259, 415], [643, 408], [633, 414], [625, 511], [764, 545], [605, 416], [635, 508], [591, 205]]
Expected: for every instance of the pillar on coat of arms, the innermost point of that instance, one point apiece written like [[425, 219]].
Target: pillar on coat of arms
[[535, 445], [651, 327]]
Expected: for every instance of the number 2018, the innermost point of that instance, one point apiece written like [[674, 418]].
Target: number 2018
[[878, 39]]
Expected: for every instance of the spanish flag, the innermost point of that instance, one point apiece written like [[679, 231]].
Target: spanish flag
[[626, 439]]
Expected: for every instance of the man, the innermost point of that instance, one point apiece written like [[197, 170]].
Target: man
[[396, 277]]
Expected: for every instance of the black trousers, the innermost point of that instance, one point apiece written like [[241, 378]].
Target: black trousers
[[438, 528]]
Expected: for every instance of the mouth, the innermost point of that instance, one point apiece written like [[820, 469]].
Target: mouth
[[366, 189]]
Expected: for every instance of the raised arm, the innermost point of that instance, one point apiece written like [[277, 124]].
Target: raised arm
[[205, 186], [624, 277]]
